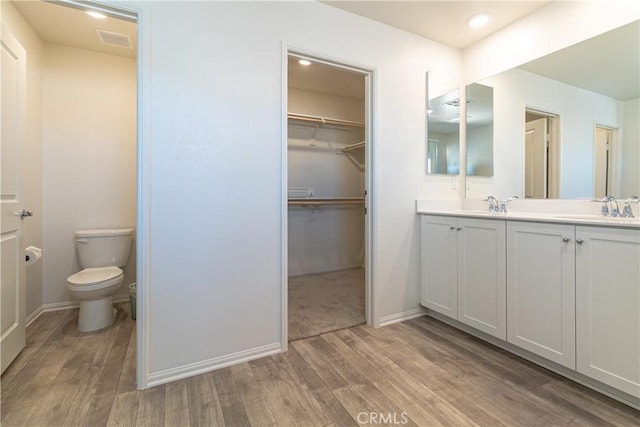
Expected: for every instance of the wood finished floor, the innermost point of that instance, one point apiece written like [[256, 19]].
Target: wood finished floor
[[424, 372]]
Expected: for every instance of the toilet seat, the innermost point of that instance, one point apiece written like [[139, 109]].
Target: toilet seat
[[93, 279]]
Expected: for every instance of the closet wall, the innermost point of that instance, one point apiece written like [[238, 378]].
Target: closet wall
[[329, 237]]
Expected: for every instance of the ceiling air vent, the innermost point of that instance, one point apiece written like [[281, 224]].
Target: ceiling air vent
[[114, 39]]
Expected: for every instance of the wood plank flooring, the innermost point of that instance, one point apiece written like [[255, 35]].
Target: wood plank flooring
[[417, 373]]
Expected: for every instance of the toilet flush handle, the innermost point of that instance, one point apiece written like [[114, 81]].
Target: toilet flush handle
[[83, 241]]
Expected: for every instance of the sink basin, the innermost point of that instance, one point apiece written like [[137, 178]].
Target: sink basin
[[595, 217]]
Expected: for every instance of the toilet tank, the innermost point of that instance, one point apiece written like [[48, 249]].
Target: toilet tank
[[103, 247]]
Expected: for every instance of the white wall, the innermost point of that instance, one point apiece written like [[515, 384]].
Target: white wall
[[329, 237], [89, 138], [630, 149], [215, 167], [578, 109], [32, 151]]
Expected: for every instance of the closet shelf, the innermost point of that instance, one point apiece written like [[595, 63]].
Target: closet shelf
[[323, 120], [356, 146], [327, 201]]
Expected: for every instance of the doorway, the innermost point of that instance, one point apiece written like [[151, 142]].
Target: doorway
[[327, 184], [80, 147], [542, 155]]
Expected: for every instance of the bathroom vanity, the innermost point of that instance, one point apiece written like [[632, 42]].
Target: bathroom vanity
[[561, 289]]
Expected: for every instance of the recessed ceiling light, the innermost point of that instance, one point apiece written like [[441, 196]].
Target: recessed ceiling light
[[478, 20], [304, 62], [96, 15]]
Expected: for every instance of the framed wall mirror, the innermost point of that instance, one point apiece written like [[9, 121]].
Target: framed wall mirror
[[586, 97]]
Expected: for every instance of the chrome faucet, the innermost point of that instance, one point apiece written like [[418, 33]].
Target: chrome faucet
[[493, 204], [609, 206], [627, 212], [503, 203], [615, 211], [604, 209]]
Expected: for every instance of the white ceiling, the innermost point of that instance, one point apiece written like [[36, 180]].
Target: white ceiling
[[442, 21], [73, 27]]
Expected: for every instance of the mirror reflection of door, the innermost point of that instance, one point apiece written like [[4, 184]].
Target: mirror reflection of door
[[535, 167], [602, 175], [542, 153]]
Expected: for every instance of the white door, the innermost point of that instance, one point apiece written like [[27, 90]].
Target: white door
[[439, 265], [535, 168], [482, 288], [12, 294], [607, 306], [541, 290]]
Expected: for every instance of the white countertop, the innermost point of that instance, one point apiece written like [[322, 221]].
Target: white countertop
[[576, 212]]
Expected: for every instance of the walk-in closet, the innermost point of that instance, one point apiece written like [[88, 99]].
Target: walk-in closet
[[326, 197]]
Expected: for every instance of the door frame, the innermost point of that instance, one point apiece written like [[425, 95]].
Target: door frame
[[143, 174], [612, 160], [369, 74]]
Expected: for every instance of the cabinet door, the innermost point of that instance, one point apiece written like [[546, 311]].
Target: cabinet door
[[608, 306], [541, 290], [439, 274], [482, 293]]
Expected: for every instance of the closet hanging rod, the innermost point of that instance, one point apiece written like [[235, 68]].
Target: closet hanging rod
[[323, 120], [353, 147], [327, 201]]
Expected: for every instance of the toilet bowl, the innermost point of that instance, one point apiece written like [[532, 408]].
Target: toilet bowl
[[101, 253], [94, 287]]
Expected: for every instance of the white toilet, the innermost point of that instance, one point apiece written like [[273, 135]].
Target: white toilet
[[101, 253]]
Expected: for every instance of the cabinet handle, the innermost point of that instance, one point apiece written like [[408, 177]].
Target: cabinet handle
[[459, 228], [579, 241], [452, 227], [565, 239]]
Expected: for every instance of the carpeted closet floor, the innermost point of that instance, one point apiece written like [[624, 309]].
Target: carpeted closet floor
[[320, 303]]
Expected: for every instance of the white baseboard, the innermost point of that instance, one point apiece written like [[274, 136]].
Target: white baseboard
[[174, 374], [67, 305], [64, 305], [401, 317], [33, 316]]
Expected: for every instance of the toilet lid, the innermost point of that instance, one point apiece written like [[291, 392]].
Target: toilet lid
[[94, 275]]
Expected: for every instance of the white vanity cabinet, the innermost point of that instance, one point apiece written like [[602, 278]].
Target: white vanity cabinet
[[541, 289], [439, 264], [561, 292], [463, 274], [608, 306]]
